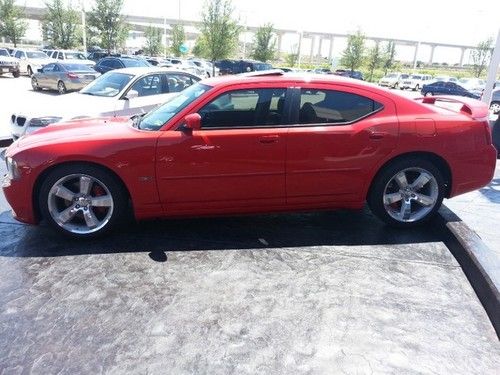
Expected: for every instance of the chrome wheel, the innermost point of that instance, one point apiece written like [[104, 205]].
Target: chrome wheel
[[34, 84], [495, 107], [61, 87], [411, 195], [80, 204]]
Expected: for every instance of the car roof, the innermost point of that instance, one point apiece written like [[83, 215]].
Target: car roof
[[149, 69], [291, 78]]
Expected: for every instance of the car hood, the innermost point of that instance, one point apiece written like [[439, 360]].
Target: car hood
[[9, 59], [78, 131], [40, 61], [70, 106]]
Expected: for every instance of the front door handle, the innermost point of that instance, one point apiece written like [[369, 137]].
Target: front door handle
[[377, 135], [269, 139]]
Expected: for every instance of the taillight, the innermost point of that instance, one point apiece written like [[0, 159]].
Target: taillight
[[71, 75]]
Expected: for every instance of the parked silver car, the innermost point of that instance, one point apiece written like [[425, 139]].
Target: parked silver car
[[63, 77], [495, 102]]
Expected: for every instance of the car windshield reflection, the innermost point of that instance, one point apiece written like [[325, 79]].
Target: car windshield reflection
[[108, 85], [154, 120]]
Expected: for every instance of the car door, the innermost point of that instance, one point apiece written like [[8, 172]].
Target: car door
[[23, 65], [54, 76], [339, 136], [42, 77], [236, 161]]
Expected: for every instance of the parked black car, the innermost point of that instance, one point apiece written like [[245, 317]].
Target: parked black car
[[447, 88], [350, 73], [97, 55], [241, 66], [111, 63]]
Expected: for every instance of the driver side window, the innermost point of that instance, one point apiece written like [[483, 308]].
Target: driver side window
[[245, 108], [148, 85]]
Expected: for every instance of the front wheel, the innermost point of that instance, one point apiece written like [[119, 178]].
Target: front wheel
[[30, 72], [495, 107], [34, 84], [407, 192], [16, 74], [82, 201]]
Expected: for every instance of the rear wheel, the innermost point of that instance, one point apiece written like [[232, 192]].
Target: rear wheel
[[82, 201], [16, 74], [61, 88], [495, 107], [30, 72], [417, 87], [407, 192], [34, 84]]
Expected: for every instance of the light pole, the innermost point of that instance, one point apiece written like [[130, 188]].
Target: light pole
[[84, 26], [492, 71], [299, 48]]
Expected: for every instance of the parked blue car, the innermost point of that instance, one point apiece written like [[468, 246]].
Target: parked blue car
[[447, 88]]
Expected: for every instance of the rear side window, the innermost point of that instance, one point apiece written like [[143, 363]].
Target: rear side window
[[329, 106]]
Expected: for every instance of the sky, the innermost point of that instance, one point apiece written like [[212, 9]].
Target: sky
[[446, 21]]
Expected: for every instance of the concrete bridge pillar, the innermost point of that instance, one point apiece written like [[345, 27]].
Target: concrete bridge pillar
[[311, 53], [279, 38], [320, 47], [330, 50], [462, 54], [431, 58], [415, 56]]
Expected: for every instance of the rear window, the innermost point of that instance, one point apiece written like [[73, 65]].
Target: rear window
[[77, 67], [130, 63]]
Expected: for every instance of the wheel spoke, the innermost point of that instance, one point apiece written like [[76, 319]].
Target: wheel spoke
[[102, 201], [90, 219], [405, 211], [392, 198], [85, 185], [420, 182], [64, 216], [64, 193], [424, 200], [401, 180]]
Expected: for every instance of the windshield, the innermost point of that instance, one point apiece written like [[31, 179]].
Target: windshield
[[78, 67], [129, 63], [4, 52], [75, 56], [464, 80], [36, 55], [392, 75], [154, 120], [404, 76], [416, 77], [109, 84]]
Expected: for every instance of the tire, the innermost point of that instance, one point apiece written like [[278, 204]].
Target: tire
[[396, 85], [82, 201], [30, 72], [417, 87], [61, 88], [16, 74], [397, 201], [495, 107], [34, 84]]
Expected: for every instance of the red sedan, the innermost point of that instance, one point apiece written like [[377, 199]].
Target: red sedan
[[258, 143]]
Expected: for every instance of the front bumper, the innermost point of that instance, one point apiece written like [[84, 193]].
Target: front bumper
[[19, 197], [9, 68]]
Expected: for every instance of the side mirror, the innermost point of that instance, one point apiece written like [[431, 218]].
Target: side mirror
[[132, 94], [40, 70], [193, 121]]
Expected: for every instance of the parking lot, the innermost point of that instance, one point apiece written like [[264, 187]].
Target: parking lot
[[330, 292]]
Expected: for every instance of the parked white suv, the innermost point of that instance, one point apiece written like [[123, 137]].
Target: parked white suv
[[119, 92], [31, 60], [415, 82], [74, 57], [393, 80]]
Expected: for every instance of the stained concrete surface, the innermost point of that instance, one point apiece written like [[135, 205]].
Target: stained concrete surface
[[303, 294]]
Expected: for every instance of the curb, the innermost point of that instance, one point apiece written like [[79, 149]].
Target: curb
[[480, 264]]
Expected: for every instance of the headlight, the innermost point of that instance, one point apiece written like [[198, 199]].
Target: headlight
[[43, 121], [12, 169]]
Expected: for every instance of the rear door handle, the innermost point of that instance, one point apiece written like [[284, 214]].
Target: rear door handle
[[269, 139]]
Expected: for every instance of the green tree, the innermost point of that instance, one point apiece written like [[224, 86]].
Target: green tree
[[354, 53], [12, 23], [389, 56], [374, 60], [200, 47], [219, 30], [59, 25], [292, 58], [481, 56], [178, 39], [264, 44], [107, 24], [153, 37]]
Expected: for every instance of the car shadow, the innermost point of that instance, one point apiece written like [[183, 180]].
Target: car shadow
[[337, 228], [492, 191]]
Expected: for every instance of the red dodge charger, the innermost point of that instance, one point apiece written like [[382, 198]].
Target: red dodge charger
[[261, 142]]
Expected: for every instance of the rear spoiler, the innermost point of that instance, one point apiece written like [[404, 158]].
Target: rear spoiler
[[472, 107]]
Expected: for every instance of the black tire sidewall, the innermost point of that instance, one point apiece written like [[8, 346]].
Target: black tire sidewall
[[375, 195], [115, 188]]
